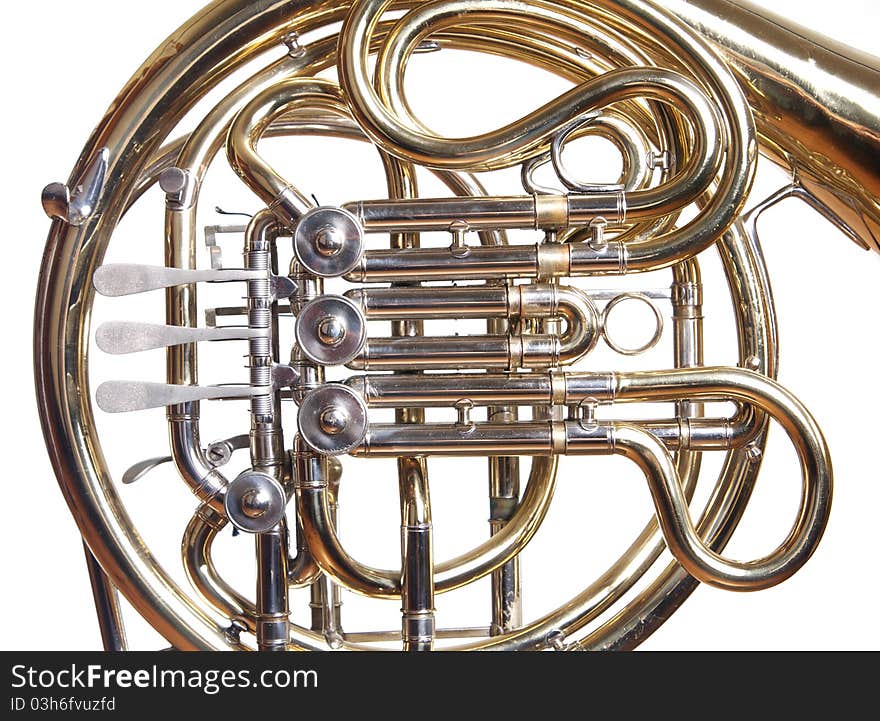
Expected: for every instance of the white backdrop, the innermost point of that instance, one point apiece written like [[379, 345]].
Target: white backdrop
[[64, 63]]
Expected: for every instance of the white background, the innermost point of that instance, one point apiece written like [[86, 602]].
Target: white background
[[63, 64]]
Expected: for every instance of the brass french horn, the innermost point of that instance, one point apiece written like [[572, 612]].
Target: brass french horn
[[689, 94]]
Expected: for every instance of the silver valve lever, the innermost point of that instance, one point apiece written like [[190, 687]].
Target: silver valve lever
[[120, 337], [142, 468], [218, 454], [118, 279], [128, 396]]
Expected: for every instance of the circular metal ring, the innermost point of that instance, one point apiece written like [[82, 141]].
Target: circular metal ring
[[333, 419], [255, 502], [658, 317], [331, 330], [328, 242]]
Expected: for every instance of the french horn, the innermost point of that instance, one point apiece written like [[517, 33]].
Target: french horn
[[348, 312]]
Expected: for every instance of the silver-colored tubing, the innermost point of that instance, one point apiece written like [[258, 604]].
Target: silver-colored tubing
[[503, 502], [508, 352], [417, 557], [376, 636], [476, 263], [267, 440], [525, 438], [408, 303], [522, 389], [273, 612], [539, 212], [566, 388], [325, 598]]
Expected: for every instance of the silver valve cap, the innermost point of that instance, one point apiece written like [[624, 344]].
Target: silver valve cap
[[328, 242], [255, 502], [331, 330], [333, 419]]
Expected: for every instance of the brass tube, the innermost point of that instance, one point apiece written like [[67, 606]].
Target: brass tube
[[638, 445], [745, 427], [384, 126], [492, 554], [815, 102], [198, 538]]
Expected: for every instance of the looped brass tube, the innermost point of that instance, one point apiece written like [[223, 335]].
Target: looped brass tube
[[650, 454], [374, 110], [282, 198], [334, 560], [198, 538], [502, 147], [806, 437]]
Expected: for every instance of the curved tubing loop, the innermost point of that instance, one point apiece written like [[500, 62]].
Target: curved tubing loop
[[678, 528], [651, 455], [537, 300], [282, 198], [168, 75], [386, 121], [323, 541]]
